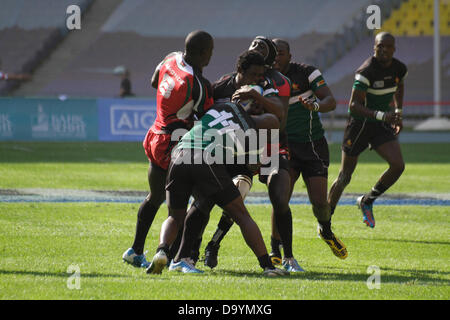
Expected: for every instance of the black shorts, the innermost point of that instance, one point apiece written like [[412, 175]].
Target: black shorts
[[283, 164], [239, 169], [312, 159], [210, 180], [360, 134]]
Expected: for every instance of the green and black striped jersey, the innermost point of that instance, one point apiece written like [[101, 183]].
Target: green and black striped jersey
[[302, 124], [220, 129], [379, 83]]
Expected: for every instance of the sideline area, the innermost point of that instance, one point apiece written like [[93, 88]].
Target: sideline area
[[99, 196]]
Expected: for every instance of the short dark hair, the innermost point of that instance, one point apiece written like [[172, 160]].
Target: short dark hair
[[382, 35], [249, 58], [197, 42], [284, 42]]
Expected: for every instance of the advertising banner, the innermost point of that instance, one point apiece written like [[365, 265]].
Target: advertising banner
[[125, 119], [35, 119]]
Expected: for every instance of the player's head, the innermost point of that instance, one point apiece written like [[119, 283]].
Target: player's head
[[384, 47], [250, 68], [283, 54], [266, 47], [198, 46]]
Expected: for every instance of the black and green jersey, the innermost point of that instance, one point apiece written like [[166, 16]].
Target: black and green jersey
[[379, 83], [224, 88], [303, 125], [220, 129]]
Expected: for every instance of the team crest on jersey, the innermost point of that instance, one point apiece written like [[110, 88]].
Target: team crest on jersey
[[349, 142], [321, 82], [378, 84], [397, 79], [295, 86]]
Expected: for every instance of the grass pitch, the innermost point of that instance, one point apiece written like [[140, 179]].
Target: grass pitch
[[40, 242]]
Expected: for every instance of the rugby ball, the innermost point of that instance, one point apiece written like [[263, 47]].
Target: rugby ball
[[248, 103]]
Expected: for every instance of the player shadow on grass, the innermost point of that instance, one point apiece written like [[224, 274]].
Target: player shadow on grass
[[362, 277], [412, 241], [61, 274]]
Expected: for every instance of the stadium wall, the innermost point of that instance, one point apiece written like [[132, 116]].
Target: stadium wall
[[45, 119]]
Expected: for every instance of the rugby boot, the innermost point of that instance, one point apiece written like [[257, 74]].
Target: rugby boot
[[291, 265], [158, 263], [367, 211], [184, 266], [275, 272], [337, 246], [136, 260], [211, 252]]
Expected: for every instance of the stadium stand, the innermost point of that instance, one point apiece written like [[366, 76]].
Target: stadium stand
[[29, 31], [416, 18], [139, 33]]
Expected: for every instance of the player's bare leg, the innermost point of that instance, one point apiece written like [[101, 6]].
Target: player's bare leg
[[279, 186], [391, 152], [150, 206], [317, 192], [146, 214], [275, 239], [348, 165], [167, 236], [251, 233]]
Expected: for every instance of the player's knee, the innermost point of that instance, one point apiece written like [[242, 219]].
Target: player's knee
[[243, 183], [205, 205], [280, 204], [398, 167], [279, 200], [178, 216], [155, 199]]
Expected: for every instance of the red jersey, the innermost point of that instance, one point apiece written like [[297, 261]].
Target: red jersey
[[279, 82], [182, 91]]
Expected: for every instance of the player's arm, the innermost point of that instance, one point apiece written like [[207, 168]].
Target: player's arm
[[357, 106], [358, 101], [326, 101], [266, 121], [155, 78], [398, 103], [271, 104]]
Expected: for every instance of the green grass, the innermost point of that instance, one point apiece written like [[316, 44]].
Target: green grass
[[123, 166], [38, 242]]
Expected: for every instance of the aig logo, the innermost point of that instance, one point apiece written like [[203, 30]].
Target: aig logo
[[131, 120]]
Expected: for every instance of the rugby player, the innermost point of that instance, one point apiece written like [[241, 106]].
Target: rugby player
[[278, 181], [181, 92], [373, 123], [190, 169], [308, 147], [250, 70]]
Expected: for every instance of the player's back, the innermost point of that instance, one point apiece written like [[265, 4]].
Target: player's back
[[181, 91]]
